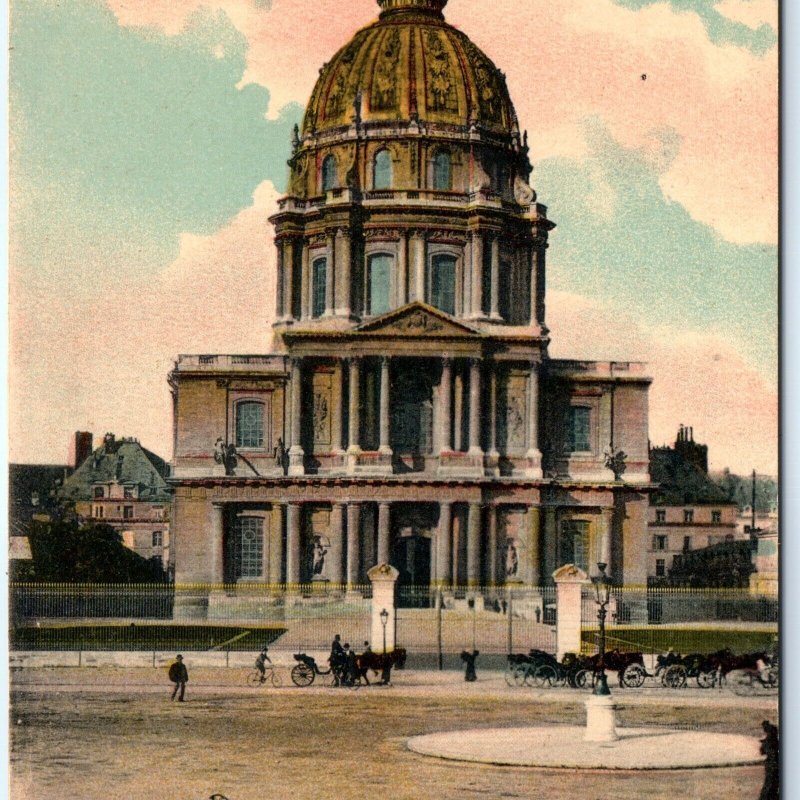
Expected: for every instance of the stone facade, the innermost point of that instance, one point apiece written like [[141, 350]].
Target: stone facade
[[411, 413]]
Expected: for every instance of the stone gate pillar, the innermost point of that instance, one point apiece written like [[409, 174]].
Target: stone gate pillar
[[383, 578], [569, 581]]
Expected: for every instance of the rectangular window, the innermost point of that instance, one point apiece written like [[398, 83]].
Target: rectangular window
[[99, 491], [688, 515], [660, 568], [574, 543], [320, 278], [128, 492], [249, 424], [158, 538], [127, 512], [98, 512], [249, 547], [579, 428], [379, 283], [687, 543], [158, 512], [443, 283], [659, 542], [716, 517], [661, 516]]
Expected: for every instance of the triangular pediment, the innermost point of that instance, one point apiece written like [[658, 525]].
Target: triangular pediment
[[417, 319]]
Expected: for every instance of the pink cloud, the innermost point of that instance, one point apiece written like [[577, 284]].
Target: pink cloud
[[565, 61]]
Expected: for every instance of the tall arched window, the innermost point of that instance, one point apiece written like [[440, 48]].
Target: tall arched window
[[329, 173], [382, 170], [443, 283], [249, 424], [442, 171], [320, 277], [379, 288], [248, 554]]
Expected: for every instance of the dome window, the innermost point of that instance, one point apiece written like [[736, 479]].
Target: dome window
[[320, 278], [328, 173], [382, 170], [443, 283], [379, 289], [442, 171]]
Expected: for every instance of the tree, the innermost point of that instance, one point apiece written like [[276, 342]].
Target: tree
[[67, 551]]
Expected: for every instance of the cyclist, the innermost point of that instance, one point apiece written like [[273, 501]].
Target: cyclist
[[261, 663]]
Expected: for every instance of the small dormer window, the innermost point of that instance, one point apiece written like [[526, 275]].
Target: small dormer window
[[99, 491], [128, 492]]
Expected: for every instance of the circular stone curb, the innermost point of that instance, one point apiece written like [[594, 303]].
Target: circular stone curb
[[563, 747]]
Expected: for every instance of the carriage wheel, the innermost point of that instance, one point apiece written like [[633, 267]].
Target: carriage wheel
[[634, 676], [302, 675], [545, 676], [511, 676], [707, 678], [674, 677], [529, 674], [583, 677]]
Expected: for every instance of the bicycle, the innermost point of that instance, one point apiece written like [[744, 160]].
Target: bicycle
[[256, 679]]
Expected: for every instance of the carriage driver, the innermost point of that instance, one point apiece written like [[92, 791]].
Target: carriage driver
[[261, 661], [337, 658]]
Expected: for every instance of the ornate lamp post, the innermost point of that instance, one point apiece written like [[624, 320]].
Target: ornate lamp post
[[384, 615], [602, 591]]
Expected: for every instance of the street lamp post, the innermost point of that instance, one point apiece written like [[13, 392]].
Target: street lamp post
[[602, 592], [384, 615]]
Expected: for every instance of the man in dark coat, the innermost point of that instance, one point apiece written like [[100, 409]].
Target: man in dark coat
[[179, 676], [337, 659], [469, 665], [772, 774]]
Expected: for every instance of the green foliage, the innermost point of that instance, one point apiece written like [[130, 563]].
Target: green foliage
[[65, 551], [658, 639], [739, 490]]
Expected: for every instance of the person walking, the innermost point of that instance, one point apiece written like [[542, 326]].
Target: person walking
[[469, 662], [179, 676]]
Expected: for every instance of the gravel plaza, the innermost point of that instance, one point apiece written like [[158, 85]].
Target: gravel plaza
[[112, 732]]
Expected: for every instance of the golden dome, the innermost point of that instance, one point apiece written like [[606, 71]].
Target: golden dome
[[410, 65]]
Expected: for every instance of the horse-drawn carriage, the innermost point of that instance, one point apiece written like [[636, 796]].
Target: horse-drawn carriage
[[306, 670], [541, 669]]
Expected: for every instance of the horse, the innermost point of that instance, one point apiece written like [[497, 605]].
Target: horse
[[377, 662]]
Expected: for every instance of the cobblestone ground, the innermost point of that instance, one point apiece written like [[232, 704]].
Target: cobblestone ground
[[102, 734]]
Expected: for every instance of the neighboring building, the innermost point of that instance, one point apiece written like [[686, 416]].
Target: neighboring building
[[124, 485], [689, 511], [764, 581], [411, 413]]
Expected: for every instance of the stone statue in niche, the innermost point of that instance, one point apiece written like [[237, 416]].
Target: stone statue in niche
[[322, 420], [512, 558], [225, 454], [320, 547], [515, 420]]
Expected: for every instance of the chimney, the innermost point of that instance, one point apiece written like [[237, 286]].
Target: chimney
[[80, 448]]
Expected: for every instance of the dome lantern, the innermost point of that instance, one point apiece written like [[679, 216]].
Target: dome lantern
[[392, 6]]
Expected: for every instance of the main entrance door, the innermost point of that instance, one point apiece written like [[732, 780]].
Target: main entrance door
[[413, 559]]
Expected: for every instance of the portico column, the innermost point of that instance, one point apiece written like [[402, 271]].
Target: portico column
[[288, 278], [353, 541], [330, 255], [355, 421], [280, 311], [458, 412], [493, 452], [342, 271], [337, 545], [384, 517], [534, 455], [293, 515], [530, 263], [216, 567], [474, 407], [445, 403], [295, 450], [495, 279], [477, 274], [605, 528], [276, 545], [473, 544], [305, 283], [402, 270], [418, 264], [491, 545], [384, 446], [337, 433], [443, 545]]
